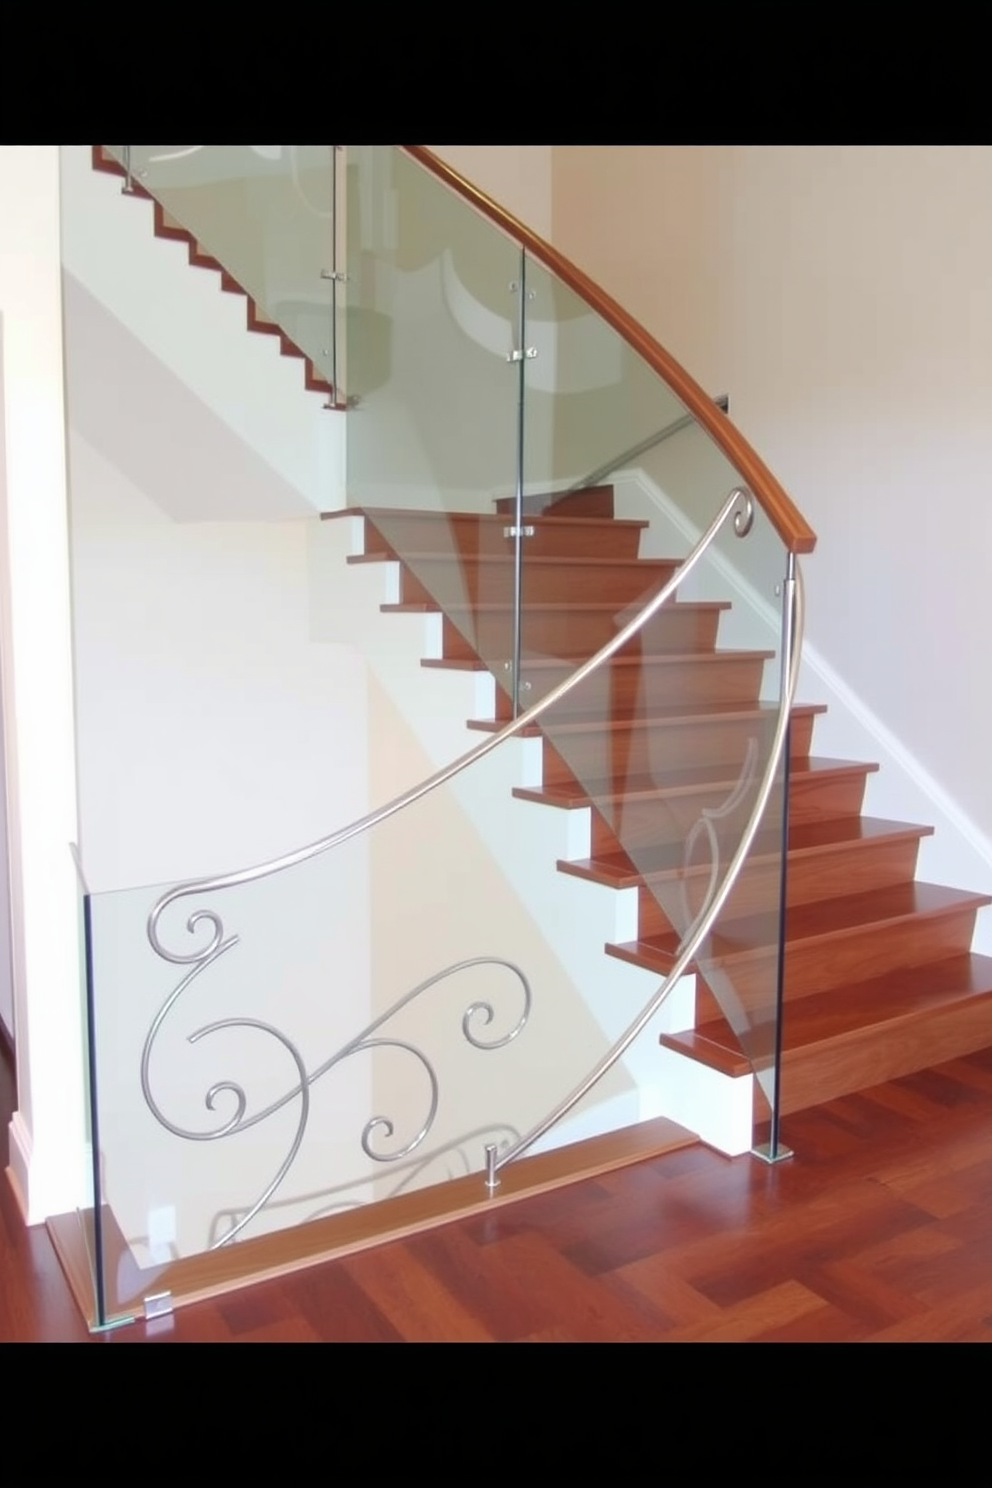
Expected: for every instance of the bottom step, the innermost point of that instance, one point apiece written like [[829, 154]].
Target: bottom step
[[851, 1038]]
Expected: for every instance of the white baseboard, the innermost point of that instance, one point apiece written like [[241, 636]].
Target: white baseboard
[[20, 1163], [44, 1186]]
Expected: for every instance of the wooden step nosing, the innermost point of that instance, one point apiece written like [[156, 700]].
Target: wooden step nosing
[[968, 905], [684, 789], [604, 872], [564, 564], [590, 728], [734, 713], [553, 524], [799, 1044]]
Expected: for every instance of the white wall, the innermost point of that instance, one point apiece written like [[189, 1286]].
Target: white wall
[[862, 346], [841, 296], [47, 1131], [212, 731]]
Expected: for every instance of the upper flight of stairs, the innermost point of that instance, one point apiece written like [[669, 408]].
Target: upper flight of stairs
[[879, 979], [199, 257]]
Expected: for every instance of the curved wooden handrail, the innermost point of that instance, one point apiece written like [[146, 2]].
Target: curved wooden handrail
[[785, 517]]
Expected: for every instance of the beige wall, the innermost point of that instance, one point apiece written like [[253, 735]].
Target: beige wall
[[841, 296], [647, 222], [517, 176]]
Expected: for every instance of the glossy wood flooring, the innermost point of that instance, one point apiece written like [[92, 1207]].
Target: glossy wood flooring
[[880, 1229]]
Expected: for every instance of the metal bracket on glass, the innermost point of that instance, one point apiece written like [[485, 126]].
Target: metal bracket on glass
[[158, 1305], [764, 1153], [492, 1181], [518, 532], [335, 275], [523, 686], [523, 356]]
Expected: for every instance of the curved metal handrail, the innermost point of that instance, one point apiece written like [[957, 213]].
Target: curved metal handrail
[[739, 505], [788, 521]]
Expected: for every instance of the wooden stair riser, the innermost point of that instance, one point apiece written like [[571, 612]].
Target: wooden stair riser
[[812, 798], [679, 629], [867, 1033], [407, 534], [639, 823], [454, 581], [813, 966], [859, 868], [626, 691], [565, 629], [872, 951], [616, 756], [838, 1067], [853, 956], [591, 501]]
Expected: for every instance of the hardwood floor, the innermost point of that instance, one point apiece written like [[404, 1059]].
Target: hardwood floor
[[878, 1231]]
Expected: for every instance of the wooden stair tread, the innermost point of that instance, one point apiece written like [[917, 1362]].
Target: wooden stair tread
[[911, 993], [664, 861], [506, 560], [490, 519], [713, 1045], [715, 713], [653, 658], [571, 796], [597, 500], [621, 659], [826, 919], [624, 661], [907, 993], [499, 607]]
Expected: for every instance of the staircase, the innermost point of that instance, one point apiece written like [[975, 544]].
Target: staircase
[[200, 258], [879, 978]]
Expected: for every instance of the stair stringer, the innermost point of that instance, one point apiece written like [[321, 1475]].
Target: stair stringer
[[576, 918], [959, 852]]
